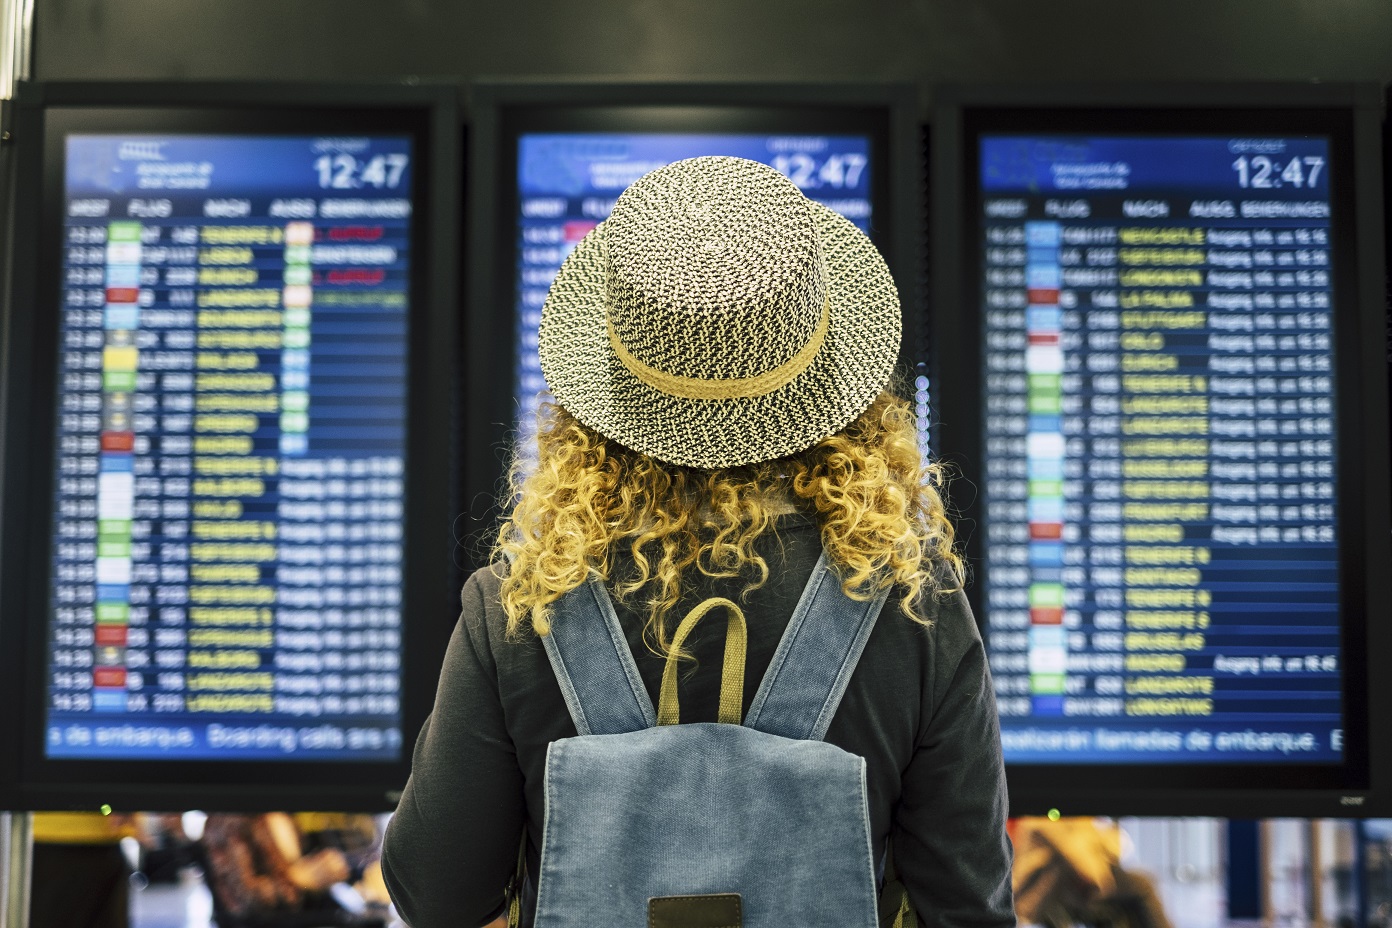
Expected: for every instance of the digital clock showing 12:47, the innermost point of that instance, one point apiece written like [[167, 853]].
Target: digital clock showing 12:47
[[1263, 173], [812, 172], [347, 172]]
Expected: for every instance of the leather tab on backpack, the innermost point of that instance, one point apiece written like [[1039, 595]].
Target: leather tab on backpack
[[718, 910]]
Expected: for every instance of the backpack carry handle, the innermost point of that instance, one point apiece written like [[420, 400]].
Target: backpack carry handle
[[731, 676]]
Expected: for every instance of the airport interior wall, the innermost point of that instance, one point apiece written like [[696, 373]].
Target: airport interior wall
[[925, 41]]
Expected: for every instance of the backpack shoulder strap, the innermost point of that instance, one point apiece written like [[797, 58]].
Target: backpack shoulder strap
[[589, 654], [815, 659]]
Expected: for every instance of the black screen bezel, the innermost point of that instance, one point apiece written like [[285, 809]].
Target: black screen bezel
[[1262, 787], [503, 112], [427, 116]]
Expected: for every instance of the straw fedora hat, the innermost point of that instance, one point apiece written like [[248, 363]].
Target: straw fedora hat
[[718, 317]]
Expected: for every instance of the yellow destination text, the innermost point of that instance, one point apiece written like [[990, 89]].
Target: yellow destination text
[[1162, 469], [223, 255], [1165, 447], [235, 339], [222, 444], [233, 595], [243, 235], [1149, 362], [1182, 554], [230, 615], [236, 402], [227, 276], [229, 486], [1156, 686], [224, 660], [225, 423], [1154, 299], [226, 361], [1162, 236], [1164, 425], [1155, 663], [225, 573], [228, 702], [235, 465], [1169, 706], [1164, 641], [1164, 576], [232, 551], [1175, 598], [1162, 619], [230, 681], [229, 637], [217, 509], [249, 381], [1145, 320], [1165, 489]]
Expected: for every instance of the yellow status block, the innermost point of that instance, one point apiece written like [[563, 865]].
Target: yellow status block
[[119, 358]]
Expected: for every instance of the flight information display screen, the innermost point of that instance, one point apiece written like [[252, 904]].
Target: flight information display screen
[[228, 507], [567, 184], [1161, 542]]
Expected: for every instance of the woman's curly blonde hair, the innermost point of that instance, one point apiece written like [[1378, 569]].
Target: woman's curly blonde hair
[[876, 501]]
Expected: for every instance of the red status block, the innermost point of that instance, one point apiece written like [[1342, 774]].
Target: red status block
[[1043, 338], [357, 275], [1046, 615], [122, 294], [113, 635], [1046, 531], [355, 233], [576, 229], [109, 676], [1041, 297], [117, 441]]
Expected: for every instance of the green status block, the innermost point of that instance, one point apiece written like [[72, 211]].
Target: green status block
[[114, 547], [294, 401], [298, 274], [113, 613], [297, 318], [113, 528], [297, 254], [296, 338], [123, 232], [294, 422], [1046, 683], [1040, 489], [1049, 404], [118, 381], [1045, 383], [1048, 595]]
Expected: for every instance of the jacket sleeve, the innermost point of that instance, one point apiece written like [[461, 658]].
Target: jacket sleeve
[[950, 843], [452, 844]]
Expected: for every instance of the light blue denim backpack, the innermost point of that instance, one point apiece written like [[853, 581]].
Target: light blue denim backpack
[[707, 825]]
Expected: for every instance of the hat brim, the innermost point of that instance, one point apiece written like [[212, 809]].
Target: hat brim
[[852, 367]]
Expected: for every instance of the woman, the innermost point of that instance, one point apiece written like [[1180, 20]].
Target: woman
[[719, 351]]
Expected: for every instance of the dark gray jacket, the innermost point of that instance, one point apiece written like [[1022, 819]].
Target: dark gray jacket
[[919, 709]]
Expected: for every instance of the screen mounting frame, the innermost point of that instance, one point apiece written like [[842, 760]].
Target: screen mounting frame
[[502, 111], [1352, 115], [429, 114]]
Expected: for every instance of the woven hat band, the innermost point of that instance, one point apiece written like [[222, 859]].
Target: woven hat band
[[729, 388]]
